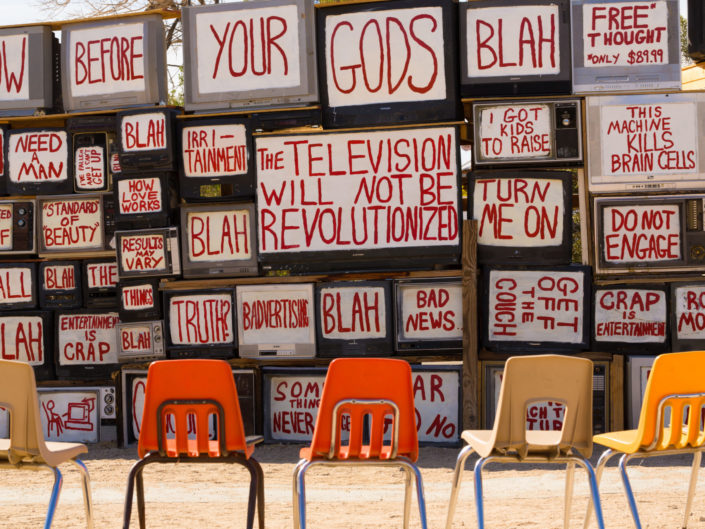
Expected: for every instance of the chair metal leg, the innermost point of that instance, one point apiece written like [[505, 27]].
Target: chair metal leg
[[594, 489], [141, 515], [54, 500], [601, 463], [455, 488], [87, 500], [256, 496], [408, 477], [295, 494], [419, 489], [131, 478], [569, 478], [301, 489], [260, 494], [697, 456], [628, 489], [477, 476]]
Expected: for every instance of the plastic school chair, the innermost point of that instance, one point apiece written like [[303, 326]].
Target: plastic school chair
[[26, 447], [670, 422], [374, 396], [193, 391], [528, 380]]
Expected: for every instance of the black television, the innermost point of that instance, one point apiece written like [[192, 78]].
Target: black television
[[535, 57], [3, 159], [524, 216], [216, 160], [354, 318], [200, 323], [141, 341], [218, 240], [631, 318], [696, 30], [687, 316], [29, 79], [148, 253], [18, 286], [28, 336], [386, 63], [94, 148], [86, 344], [144, 200], [362, 200], [146, 139], [18, 226], [39, 161], [139, 299], [100, 279], [60, 285], [428, 315], [113, 63]]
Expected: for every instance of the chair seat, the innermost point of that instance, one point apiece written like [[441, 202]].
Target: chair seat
[[539, 441], [58, 452]]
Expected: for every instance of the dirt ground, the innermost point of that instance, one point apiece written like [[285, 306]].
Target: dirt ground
[[215, 496]]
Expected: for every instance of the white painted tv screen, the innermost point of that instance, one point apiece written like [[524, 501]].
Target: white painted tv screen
[[201, 319], [87, 338], [630, 315]]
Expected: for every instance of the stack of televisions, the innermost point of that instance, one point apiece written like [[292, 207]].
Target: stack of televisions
[[325, 140]]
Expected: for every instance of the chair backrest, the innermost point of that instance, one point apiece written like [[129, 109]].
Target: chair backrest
[[556, 378], [677, 381], [190, 391], [18, 394], [356, 388]]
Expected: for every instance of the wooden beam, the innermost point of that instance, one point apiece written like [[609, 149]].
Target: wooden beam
[[471, 364], [617, 393]]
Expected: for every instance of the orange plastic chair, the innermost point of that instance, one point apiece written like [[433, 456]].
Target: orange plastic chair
[[375, 394], [180, 392], [671, 422], [26, 448]]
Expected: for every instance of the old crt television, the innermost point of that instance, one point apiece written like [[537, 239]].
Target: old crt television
[[687, 316], [514, 47], [276, 321], [218, 240], [645, 142], [100, 279], [385, 63], [139, 299], [200, 323], [649, 234], [148, 253], [29, 78], [18, 226], [696, 30], [537, 131], [18, 286], [429, 315], [94, 144], [249, 55], [113, 63], [354, 318], [216, 158], [631, 318], [141, 341], [28, 336], [144, 200], [146, 139], [359, 200], [534, 309], [60, 285], [39, 161], [524, 216], [86, 344], [3, 159], [626, 46]]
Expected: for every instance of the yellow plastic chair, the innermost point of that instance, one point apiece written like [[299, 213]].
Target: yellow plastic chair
[[670, 422], [26, 448], [527, 380]]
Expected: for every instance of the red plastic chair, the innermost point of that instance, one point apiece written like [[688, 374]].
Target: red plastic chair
[[377, 396], [183, 391]]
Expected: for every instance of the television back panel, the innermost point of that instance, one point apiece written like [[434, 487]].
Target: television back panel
[[223, 76], [39, 161], [145, 139], [630, 319], [216, 158], [218, 240], [141, 341], [625, 46], [28, 336], [647, 142], [428, 315], [60, 285], [100, 279], [359, 84], [113, 63], [276, 321], [18, 286], [533, 59], [148, 253], [354, 318], [539, 309], [71, 225], [687, 316], [139, 299], [524, 216], [144, 200]]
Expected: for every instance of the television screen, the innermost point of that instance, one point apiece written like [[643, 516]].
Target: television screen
[[70, 414], [217, 160], [86, 344], [139, 299], [27, 336], [428, 315], [71, 225], [100, 278], [60, 285], [144, 200], [524, 216], [625, 46], [359, 200], [148, 253], [39, 161], [113, 63], [94, 148], [218, 240], [438, 401], [354, 318], [276, 321], [386, 63], [534, 58], [687, 316], [636, 373], [18, 286], [18, 226], [141, 341], [249, 55], [146, 139]]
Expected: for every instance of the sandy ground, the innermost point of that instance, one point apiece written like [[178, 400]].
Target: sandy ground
[[215, 496]]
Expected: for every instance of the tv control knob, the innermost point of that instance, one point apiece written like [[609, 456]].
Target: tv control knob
[[21, 223], [22, 211]]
